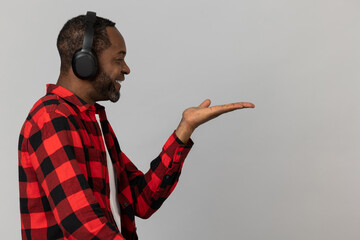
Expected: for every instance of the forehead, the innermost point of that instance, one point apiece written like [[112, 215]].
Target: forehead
[[117, 41]]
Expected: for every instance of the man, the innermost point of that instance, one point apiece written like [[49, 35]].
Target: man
[[65, 153]]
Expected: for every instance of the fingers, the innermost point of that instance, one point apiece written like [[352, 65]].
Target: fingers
[[245, 105], [234, 106], [205, 103], [220, 109], [237, 105]]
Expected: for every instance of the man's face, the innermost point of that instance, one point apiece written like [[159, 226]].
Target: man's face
[[112, 68]]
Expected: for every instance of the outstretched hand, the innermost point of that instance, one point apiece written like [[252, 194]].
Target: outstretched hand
[[195, 116]]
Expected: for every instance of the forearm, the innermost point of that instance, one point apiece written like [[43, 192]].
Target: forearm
[[153, 187]]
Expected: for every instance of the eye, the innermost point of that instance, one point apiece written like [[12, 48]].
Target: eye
[[119, 60]]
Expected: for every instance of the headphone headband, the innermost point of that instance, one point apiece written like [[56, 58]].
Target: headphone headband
[[89, 31]]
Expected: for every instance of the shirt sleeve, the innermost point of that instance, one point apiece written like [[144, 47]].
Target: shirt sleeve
[[151, 189], [51, 145]]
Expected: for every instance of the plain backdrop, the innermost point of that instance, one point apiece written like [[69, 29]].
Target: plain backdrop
[[288, 169]]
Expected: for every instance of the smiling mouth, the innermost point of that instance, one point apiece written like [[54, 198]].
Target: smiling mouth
[[119, 81], [118, 84]]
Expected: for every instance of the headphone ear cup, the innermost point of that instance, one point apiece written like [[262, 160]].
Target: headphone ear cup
[[84, 64]]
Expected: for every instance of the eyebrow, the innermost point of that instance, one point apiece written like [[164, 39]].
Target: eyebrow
[[121, 52]]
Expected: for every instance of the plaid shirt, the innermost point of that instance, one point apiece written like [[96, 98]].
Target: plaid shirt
[[63, 175]]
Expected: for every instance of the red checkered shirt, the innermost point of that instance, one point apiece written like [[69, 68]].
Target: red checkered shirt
[[63, 175]]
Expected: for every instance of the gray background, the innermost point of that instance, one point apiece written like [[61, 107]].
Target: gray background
[[289, 169]]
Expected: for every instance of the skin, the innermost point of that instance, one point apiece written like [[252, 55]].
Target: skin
[[112, 66]]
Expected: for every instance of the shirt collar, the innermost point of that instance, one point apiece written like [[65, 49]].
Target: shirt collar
[[71, 98]]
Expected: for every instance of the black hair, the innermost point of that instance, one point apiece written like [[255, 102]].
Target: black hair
[[71, 38]]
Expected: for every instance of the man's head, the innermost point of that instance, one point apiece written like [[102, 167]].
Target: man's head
[[109, 46]]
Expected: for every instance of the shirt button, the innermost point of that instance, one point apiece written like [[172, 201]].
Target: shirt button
[[126, 204], [167, 177], [179, 153]]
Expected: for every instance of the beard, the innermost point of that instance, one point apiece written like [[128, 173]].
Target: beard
[[105, 88]]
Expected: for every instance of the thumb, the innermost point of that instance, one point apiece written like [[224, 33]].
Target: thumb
[[205, 103]]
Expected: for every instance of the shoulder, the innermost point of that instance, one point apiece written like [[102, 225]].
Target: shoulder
[[50, 115], [47, 109]]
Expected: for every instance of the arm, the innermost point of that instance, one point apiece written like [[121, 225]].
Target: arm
[[152, 189], [52, 147]]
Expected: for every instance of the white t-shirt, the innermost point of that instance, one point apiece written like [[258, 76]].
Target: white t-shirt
[[114, 204]]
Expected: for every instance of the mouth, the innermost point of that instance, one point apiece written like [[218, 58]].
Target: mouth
[[117, 84]]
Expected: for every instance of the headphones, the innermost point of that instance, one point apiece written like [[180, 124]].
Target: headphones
[[84, 60]]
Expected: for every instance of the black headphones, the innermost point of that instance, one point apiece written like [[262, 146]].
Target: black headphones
[[84, 61]]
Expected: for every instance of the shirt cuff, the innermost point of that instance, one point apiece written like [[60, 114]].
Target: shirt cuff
[[175, 150], [189, 144]]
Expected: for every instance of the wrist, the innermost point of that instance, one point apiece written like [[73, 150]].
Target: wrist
[[184, 131]]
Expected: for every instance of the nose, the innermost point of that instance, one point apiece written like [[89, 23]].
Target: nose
[[125, 69]]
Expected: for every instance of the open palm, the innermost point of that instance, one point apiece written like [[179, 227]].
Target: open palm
[[195, 116]]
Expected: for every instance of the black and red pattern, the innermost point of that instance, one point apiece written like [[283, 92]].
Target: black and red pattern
[[63, 175]]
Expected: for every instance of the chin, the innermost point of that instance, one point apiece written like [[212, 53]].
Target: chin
[[114, 98]]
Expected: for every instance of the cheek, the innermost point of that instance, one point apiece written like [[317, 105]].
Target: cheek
[[116, 71], [106, 66], [111, 74], [110, 68]]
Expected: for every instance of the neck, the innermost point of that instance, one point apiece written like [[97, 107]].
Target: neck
[[79, 87]]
